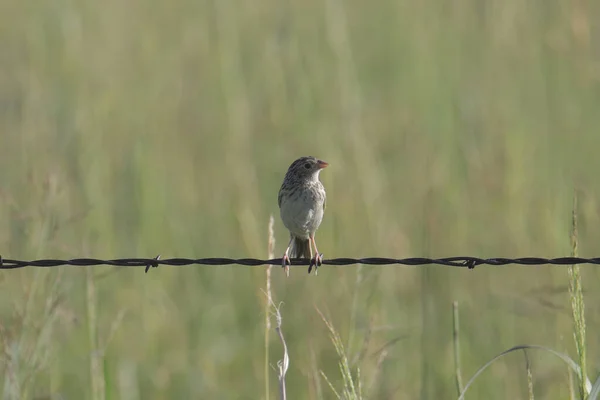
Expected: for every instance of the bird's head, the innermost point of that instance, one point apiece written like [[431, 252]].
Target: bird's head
[[307, 168]]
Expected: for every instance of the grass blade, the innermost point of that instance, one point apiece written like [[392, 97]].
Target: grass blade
[[564, 357]]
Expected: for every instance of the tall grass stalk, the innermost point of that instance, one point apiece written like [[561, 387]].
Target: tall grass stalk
[[284, 363], [96, 371], [269, 302], [570, 384], [456, 342], [577, 304], [529, 376], [354, 309], [352, 390]]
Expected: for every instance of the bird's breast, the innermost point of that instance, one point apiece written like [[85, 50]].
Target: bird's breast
[[301, 212]]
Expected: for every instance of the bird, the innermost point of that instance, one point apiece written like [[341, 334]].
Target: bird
[[302, 201]]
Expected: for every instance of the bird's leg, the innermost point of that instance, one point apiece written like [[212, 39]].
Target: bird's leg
[[285, 260], [317, 260]]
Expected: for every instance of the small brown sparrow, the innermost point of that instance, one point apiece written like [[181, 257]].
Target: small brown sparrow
[[301, 204]]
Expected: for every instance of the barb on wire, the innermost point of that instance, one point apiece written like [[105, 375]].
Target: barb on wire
[[468, 262]]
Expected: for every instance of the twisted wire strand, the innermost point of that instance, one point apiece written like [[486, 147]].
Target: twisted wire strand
[[466, 262]]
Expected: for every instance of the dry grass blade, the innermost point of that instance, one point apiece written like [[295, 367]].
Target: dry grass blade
[[269, 302], [577, 304], [529, 376], [283, 364]]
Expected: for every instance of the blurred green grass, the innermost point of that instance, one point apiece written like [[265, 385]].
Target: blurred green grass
[[131, 129]]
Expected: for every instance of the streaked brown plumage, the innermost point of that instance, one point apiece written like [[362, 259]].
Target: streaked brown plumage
[[302, 201]]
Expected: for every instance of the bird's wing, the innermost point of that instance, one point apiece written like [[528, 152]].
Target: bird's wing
[[279, 196], [324, 200]]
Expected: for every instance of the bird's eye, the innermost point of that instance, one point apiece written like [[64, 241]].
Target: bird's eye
[[307, 166]]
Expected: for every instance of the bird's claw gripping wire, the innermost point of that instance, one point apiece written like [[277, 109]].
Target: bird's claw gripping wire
[[285, 264], [316, 261]]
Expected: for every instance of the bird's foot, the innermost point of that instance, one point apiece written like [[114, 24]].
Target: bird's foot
[[285, 264], [316, 261]]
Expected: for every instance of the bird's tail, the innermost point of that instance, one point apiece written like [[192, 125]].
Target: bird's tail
[[300, 248]]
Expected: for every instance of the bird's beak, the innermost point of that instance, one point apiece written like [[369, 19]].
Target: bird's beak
[[322, 164]]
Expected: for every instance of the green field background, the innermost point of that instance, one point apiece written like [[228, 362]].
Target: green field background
[[137, 128]]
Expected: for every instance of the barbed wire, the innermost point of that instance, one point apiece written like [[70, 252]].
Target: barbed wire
[[464, 262]]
